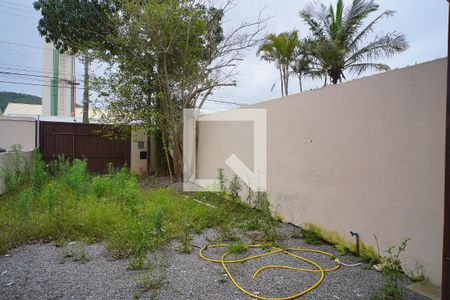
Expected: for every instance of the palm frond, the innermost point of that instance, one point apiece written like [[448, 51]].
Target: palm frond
[[361, 68], [369, 28], [385, 46], [355, 16]]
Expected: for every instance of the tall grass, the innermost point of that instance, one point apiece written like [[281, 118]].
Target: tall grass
[[64, 202]]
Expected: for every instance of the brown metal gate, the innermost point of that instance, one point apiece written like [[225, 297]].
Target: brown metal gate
[[84, 141]]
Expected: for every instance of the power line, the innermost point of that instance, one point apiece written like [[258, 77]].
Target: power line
[[31, 8], [30, 18], [24, 74], [36, 84], [23, 45], [31, 69]]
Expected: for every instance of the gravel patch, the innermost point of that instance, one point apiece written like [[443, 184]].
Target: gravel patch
[[78, 271]]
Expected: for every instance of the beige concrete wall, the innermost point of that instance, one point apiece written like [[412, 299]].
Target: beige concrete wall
[[138, 166], [366, 155], [17, 130]]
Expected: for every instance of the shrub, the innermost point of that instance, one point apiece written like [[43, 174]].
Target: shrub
[[102, 186], [38, 173], [17, 173], [76, 177]]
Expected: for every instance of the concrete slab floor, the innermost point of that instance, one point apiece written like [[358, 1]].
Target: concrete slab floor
[[426, 289]]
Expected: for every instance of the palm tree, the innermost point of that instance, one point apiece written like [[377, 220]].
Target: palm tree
[[339, 36], [301, 66], [280, 49]]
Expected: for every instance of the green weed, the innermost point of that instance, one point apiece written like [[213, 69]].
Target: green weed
[[252, 225], [18, 171], [235, 187], [222, 180], [392, 272], [237, 248], [310, 236], [65, 203]]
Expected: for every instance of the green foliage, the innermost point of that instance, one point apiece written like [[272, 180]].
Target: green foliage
[[311, 237], [17, 172], [343, 250], [338, 39], [74, 205], [281, 50], [235, 187], [368, 254], [140, 262], [85, 27], [180, 46], [59, 166], [38, 173], [418, 274], [268, 222], [76, 177], [237, 248], [222, 182], [392, 272], [252, 225], [186, 241]]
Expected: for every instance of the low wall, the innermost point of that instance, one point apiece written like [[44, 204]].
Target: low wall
[[365, 156], [7, 161], [17, 130]]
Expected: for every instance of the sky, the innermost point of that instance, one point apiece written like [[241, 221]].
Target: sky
[[423, 22]]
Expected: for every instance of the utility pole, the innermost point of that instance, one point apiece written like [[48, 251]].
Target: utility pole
[[86, 89]]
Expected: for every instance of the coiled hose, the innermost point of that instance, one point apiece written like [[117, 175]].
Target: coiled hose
[[288, 251]]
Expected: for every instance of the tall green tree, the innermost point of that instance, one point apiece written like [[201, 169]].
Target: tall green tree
[[340, 36], [280, 49], [173, 55], [78, 26]]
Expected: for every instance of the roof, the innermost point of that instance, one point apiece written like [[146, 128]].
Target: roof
[[22, 109]]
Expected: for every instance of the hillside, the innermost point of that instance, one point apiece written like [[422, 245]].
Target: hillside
[[6, 97]]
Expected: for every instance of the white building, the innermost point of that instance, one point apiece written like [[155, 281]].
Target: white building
[[59, 93]]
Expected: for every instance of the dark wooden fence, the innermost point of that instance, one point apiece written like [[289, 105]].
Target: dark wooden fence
[[83, 141]]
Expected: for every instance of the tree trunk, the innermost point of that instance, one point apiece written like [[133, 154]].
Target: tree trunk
[[153, 152], [281, 81], [286, 80], [166, 152], [178, 159], [300, 82], [86, 89]]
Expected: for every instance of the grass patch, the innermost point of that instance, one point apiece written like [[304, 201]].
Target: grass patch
[[310, 236], [63, 202], [237, 248]]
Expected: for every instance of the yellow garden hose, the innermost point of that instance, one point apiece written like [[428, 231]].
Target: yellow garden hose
[[287, 251]]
